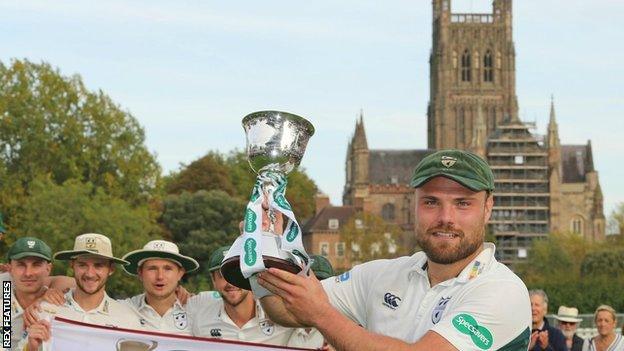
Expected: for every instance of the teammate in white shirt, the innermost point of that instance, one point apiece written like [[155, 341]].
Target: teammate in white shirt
[[93, 262], [29, 275], [237, 315], [453, 295], [160, 266]]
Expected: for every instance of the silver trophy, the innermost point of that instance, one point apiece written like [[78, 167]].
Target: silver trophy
[[276, 142]]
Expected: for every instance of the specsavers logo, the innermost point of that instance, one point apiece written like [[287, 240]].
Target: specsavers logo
[[250, 252], [250, 221], [292, 233], [481, 336]]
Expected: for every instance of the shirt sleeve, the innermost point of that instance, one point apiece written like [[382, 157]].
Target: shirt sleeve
[[491, 315], [349, 292]]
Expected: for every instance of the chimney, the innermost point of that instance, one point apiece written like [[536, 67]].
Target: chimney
[[321, 201]]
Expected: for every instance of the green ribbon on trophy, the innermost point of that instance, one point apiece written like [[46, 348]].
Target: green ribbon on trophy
[[269, 186]]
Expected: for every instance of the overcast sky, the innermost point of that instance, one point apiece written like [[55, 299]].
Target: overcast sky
[[190, 70]]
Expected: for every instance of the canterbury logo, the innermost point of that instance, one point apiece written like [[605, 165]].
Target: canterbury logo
[[391, 301], [215, 333]]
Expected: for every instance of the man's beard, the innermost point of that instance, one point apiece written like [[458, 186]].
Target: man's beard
[[447, 253], [568, 333], [235, 301]]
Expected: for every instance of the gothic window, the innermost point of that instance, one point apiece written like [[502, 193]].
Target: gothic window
[[461, 116], [387, 212], [488, 72], [492, 120], [465, 66], [577, 225]]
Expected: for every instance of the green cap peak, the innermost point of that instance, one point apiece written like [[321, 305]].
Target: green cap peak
[[29, 247], [216, 258], [461, 166], [321, 267]]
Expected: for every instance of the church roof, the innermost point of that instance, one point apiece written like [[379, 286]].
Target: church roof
[[393, 166], [576, 162], [320, 222]]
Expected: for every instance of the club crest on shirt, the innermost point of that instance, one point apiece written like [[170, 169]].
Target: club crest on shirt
[[438, 310], [180, 320], [267, 327]]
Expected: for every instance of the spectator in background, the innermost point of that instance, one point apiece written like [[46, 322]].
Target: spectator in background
[[607, 339], [568, 323], [543, 336]]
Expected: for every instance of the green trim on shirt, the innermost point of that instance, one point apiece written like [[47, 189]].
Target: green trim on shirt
[[520, 343]]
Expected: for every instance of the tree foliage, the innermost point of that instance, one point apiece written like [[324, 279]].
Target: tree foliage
[[200, 223], [575, 271], [59, 213], [368, 237], [231, 173], [52, 126]]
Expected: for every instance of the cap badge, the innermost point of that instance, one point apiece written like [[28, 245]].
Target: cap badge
[[448, 161], [159, 246], [90, 244], [30, 243]]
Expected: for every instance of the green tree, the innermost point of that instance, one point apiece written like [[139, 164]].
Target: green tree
[[575, 271], [59, 213], [209, 172], [201, 222], [368, 237], [233, 175], [51, 125]]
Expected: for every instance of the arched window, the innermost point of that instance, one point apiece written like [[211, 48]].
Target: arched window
[[577, 225], [461, 117], [387, 212], [465, 66], [488, 72]]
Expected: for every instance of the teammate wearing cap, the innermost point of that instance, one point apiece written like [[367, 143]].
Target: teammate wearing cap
[[453, 295], [29, 273], [160, 266], [236, 315], [93, 262]]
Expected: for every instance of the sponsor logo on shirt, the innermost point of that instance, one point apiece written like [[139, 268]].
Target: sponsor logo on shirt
[[180, 320], [343, 277], [439, 309], [215, 332], [267, 327], [143, 321], [391, 301], [480, 336]]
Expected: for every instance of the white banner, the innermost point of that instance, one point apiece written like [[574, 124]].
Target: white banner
[[68, 335]]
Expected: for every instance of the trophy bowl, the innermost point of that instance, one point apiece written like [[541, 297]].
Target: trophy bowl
[[272, 256], [276, 140]]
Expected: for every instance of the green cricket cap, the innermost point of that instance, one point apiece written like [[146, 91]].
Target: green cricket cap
[[321, 267], [216, 258], [461, 166], [29, 247]]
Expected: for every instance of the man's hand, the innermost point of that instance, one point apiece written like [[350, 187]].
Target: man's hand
[[37, 334], [31, 314], [54, 296], [266, 222], [303, 296], [543, 339]]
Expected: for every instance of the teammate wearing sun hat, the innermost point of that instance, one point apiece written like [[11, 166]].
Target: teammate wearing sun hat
[[92, 261], [160, 266]]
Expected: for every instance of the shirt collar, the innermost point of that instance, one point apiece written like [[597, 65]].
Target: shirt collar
[[143, 304], [102, 308], [481, 263]]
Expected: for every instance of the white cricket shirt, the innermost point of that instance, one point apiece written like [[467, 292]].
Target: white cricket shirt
[[486, 307]]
